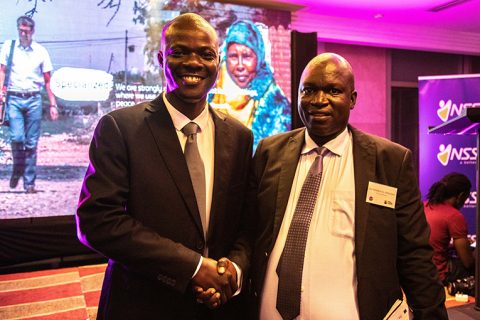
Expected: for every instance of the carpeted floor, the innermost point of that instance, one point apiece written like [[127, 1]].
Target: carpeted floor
[[73, 293], [463, 312], [63, 294]]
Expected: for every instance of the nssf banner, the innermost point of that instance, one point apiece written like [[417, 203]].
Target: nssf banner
[[442, 98]]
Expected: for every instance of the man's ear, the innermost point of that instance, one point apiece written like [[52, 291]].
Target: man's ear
[[160, 58], [353, 99]]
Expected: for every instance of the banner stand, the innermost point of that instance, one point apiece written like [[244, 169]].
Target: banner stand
[[468, 123]]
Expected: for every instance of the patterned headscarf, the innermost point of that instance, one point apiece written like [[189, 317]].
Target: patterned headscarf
[[247, 33]]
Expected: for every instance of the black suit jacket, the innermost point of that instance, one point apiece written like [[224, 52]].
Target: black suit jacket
[[137, 207], [391, 245]]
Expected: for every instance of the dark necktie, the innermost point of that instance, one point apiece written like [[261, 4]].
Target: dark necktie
[[290, 265], [196, 170]]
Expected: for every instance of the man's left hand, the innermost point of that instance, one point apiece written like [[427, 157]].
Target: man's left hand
[[210, 298], [53, 112]]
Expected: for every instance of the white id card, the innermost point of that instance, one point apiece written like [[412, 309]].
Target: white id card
[[381, 194], [399, 311]]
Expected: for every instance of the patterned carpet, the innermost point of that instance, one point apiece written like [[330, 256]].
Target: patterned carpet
[[73, 293], [69, 293]]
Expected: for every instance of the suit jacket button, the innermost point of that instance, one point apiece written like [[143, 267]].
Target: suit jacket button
[[200, 245]]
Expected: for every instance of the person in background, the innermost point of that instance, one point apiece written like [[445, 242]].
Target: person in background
[[30, 71], [340, 231], [164, 193], [445, 198], [246, 87]]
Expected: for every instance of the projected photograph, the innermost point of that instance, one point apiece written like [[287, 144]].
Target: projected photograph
[[103, 57]]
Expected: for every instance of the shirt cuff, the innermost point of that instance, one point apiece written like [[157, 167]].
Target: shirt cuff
[[239, 279], [198, 267]]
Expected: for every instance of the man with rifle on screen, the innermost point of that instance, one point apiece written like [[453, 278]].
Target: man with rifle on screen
[[29, 68]]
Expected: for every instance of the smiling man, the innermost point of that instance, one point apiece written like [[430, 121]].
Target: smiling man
[[164, 192], [323, 249]]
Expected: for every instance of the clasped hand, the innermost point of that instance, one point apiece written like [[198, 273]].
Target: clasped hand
[[215, 282]]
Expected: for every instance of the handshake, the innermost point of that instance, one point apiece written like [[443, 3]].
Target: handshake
[[215, 282]]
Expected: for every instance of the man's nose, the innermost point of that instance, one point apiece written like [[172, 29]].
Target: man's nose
[[320, 97], [193, 60]]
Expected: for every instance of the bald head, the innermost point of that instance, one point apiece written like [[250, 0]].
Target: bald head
[[184, 21], [330, 62]]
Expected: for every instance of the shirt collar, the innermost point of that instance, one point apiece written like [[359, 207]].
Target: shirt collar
[[337, 145], [180, 120], [18, 45]]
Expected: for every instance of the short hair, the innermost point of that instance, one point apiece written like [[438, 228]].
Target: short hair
[[26, 21], [191, 18], [449, 186]]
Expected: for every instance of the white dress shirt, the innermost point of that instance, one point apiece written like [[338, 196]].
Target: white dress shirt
[[329, 282], [205, 142], [206, 148]]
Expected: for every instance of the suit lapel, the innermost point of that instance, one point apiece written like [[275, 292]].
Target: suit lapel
[[288, 163], [222, 164], [163, 131], [364, 160]]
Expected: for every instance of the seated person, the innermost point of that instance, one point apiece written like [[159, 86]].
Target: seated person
[[445, 198]]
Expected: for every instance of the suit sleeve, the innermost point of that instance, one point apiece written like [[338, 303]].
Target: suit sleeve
[[418, 274], [242, 247], [103, 222]]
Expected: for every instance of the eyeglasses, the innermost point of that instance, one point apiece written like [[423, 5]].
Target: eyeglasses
[[25, 30]]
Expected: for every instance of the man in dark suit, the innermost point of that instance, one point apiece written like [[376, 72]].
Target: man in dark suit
[[364, 237], [141, 204]]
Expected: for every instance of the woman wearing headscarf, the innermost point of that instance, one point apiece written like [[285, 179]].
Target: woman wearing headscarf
[[246, 87]]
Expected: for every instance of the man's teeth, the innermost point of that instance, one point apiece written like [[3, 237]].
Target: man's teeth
[[191, 78]]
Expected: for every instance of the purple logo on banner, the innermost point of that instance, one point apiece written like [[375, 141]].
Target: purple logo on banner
[[441, 99]]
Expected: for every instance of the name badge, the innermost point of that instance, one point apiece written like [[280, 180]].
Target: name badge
[[399, 311], [381, 194]]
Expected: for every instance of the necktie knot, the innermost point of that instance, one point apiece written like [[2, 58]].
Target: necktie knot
[[321, 151], [317, 165], [190, 128]]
